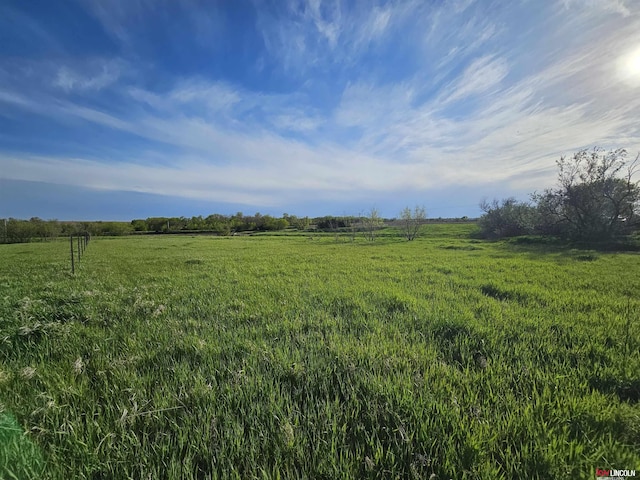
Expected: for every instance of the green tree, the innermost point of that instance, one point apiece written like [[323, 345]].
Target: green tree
[[412, 221], [19, 231], [139, 225], [157, 224], [371, 223], [301, 223], [596, 197]]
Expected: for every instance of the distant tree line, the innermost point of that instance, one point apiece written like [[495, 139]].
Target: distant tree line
[[217, 223], [408, 225], [596, 199], [13, 230]]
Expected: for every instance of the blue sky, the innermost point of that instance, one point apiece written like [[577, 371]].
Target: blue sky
[[136, 108]]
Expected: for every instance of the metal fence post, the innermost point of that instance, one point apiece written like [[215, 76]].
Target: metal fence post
[[73, 268]]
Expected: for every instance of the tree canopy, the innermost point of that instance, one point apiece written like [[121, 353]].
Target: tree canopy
[[596, 199]]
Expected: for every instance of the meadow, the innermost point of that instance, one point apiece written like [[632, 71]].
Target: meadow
[[267, 357]]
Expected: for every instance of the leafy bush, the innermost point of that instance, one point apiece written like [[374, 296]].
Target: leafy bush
[[508, 218]]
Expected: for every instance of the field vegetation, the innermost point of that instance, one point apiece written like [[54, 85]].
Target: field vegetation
[[321, 357]]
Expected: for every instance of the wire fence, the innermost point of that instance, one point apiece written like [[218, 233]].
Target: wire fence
[[78, 244]]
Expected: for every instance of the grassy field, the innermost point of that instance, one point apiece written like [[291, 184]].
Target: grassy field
[[291, 357]]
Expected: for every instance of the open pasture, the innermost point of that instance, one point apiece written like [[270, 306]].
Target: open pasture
[[291, 357]]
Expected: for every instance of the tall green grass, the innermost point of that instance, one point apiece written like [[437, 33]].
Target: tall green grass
[[292, 357]]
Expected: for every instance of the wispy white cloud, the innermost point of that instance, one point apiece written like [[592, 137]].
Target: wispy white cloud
[[327, 23], [365, 105], [480, 76], [297, 120], [129, 22], [96, 76], [614, 6], [116, 16], [61, 110], [323, 32], [216, 97]]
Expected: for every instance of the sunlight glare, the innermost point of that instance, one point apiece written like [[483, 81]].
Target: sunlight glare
[[630, 67]]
